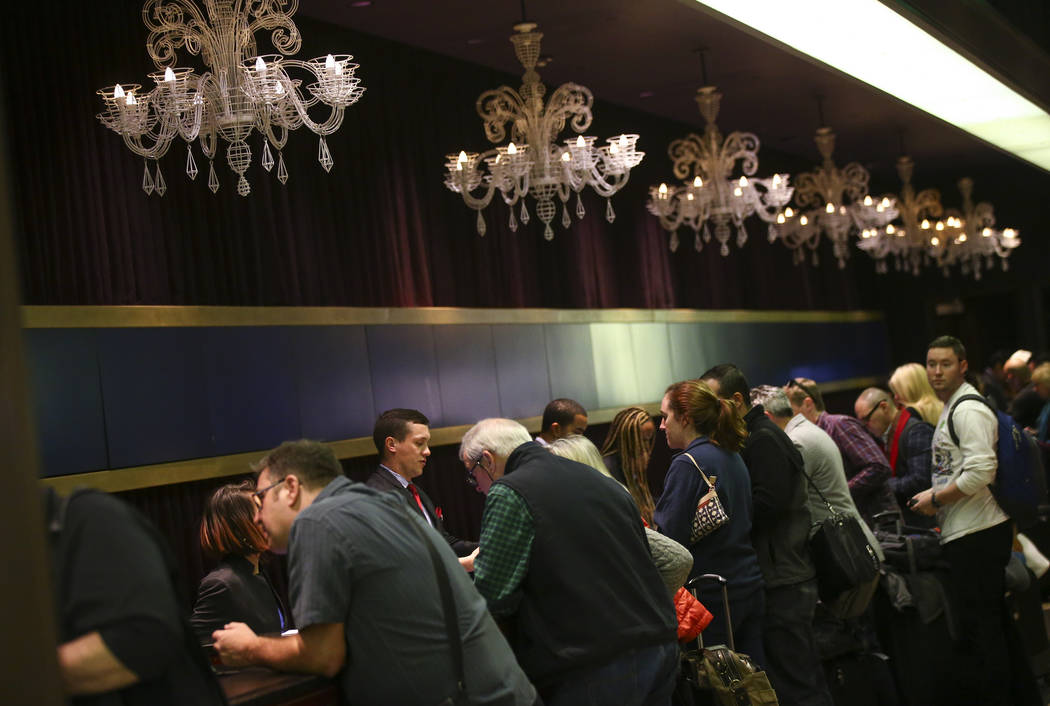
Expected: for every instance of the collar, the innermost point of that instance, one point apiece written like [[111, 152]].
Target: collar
[[522, 454], [335, 487], [795, 422], [754, 413], [541, 441], [397, 476]]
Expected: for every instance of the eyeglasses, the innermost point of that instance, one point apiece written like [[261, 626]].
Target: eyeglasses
[[258, 495], [795, 383], [867, 417], [471, 480]]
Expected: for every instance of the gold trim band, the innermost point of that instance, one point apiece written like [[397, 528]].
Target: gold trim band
[[192, 316], [116, 480]]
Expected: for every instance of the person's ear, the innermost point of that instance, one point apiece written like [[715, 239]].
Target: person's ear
[[739, 400], [390, 445], [293, 489]]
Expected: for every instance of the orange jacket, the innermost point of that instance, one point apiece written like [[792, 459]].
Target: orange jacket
[[693, 617]]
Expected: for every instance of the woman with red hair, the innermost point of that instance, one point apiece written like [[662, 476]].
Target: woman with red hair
[[236, 591], [710, 432]]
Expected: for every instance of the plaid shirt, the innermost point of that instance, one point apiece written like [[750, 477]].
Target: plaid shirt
[[867, 470], [507, 531]]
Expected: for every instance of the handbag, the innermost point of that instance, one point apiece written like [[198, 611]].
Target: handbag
[[842, 554], [709, 515]]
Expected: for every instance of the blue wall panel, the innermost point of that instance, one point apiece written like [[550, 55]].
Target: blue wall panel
[[333, 380], [153, 388], [521, 370], [66, 400], [570, 363], [466, 363], [404, 369]]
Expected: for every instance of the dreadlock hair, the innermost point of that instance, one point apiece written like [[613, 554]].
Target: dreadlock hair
[[625, 438]]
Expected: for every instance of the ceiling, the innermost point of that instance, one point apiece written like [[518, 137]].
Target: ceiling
[[643, 55]]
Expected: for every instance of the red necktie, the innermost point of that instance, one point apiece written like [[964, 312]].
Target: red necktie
[[419, 501]]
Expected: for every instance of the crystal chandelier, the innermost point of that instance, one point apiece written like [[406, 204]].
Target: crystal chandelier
[[238, 93], [970, 239], [532, 163], [908, 242], [713, 194], [832, 202]]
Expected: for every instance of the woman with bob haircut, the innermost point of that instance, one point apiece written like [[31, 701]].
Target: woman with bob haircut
[[236, 591], [711, 432], [911, 388]]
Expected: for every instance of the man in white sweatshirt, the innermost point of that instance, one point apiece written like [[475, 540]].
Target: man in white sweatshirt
[[975, 532]]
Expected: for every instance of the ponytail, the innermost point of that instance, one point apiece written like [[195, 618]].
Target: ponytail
[[730, 430]]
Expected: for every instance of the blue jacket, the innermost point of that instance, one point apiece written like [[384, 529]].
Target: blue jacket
[[727, 551]]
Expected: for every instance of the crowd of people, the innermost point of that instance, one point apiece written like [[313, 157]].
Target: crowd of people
[[574, 593]]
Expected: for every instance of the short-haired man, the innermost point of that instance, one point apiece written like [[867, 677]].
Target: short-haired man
[[565, 564], [561, 417], [994, 379], [365, 595], [1028, 403], [780, 533], [867, 469], [123, 638], [402, 439], [823, 464], [908, 442], [975, 533]]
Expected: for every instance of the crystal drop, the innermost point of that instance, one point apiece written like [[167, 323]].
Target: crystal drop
[[548, 233], [707, 234], [191, 165], [213, 179], [566, 219], [698, 242], [772, 233], [324, 156], [481, 225], [1006, 266], [610, 214], [513, 223], [741, 235], [580, 212], [242, 186], [267, 156], [147, 181], [159, 184], [724, 250], [282, 171], [842, 263], [816, 259], [524, 214], [674, 241]]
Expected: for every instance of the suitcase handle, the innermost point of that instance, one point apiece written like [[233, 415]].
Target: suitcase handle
[[692, 586]]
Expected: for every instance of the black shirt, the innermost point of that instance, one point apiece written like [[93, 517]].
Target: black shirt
[[233, 592]]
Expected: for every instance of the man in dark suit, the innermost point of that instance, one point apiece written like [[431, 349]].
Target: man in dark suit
[[402, 438]]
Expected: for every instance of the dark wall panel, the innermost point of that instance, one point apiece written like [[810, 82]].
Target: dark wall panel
[[570, 361], [153, 387], [404, 369], [67, 400], [252, 400], [466, 361], [334, 383], [521, 369]]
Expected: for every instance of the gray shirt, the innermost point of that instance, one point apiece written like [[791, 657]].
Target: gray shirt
[[354, 559], [823, 464]]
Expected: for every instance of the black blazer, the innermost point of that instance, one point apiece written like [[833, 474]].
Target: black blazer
[[380, 479], [233, 593]]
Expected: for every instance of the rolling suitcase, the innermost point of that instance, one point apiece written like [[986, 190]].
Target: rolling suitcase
[[718, 675]]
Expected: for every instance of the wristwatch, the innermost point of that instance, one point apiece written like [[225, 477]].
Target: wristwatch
[[933, 499]]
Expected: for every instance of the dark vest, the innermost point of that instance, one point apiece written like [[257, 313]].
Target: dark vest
[[592, 592]]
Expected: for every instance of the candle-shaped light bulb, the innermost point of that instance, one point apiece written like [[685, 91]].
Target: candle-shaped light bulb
[[698, 182], [118, 92], [130, 100], [565, 156], [781, 219], [260, 65], [830, 208], [169, 75], [925, 224], [1010, 233], [776, 180], [890, 229], [279, 89], [663, 190], [788, 213], [867, 200], [738, 191], [804, 221], [613, 149], [462, 157], [935, 241], [939, 226], [511, 149], [689, 196], [580, 142], [962, 238], [743, 182], [986, 232], [623, 142]]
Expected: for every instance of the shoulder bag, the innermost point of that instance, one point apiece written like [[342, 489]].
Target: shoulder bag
[[709, 515]]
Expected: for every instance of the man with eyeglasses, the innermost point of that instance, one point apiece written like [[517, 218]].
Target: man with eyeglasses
[[867, 469], [402, 439], [908, 442], [565, 565], [365, 595]]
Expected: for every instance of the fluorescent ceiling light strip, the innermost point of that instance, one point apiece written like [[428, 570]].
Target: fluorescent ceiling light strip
[[871, 42]]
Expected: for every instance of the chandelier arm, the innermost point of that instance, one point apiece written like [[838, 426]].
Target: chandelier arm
[[498, 106], [568, 99], [687, 154], [268, 15], [156, 150], [169, 29], [741, 146], [855, 180]]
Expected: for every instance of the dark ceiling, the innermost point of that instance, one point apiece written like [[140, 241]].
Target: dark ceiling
[[642, 55]]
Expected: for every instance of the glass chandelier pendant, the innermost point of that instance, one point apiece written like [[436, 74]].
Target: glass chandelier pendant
[[713, 195], [532, 164], [238, 93], [831, 202]]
